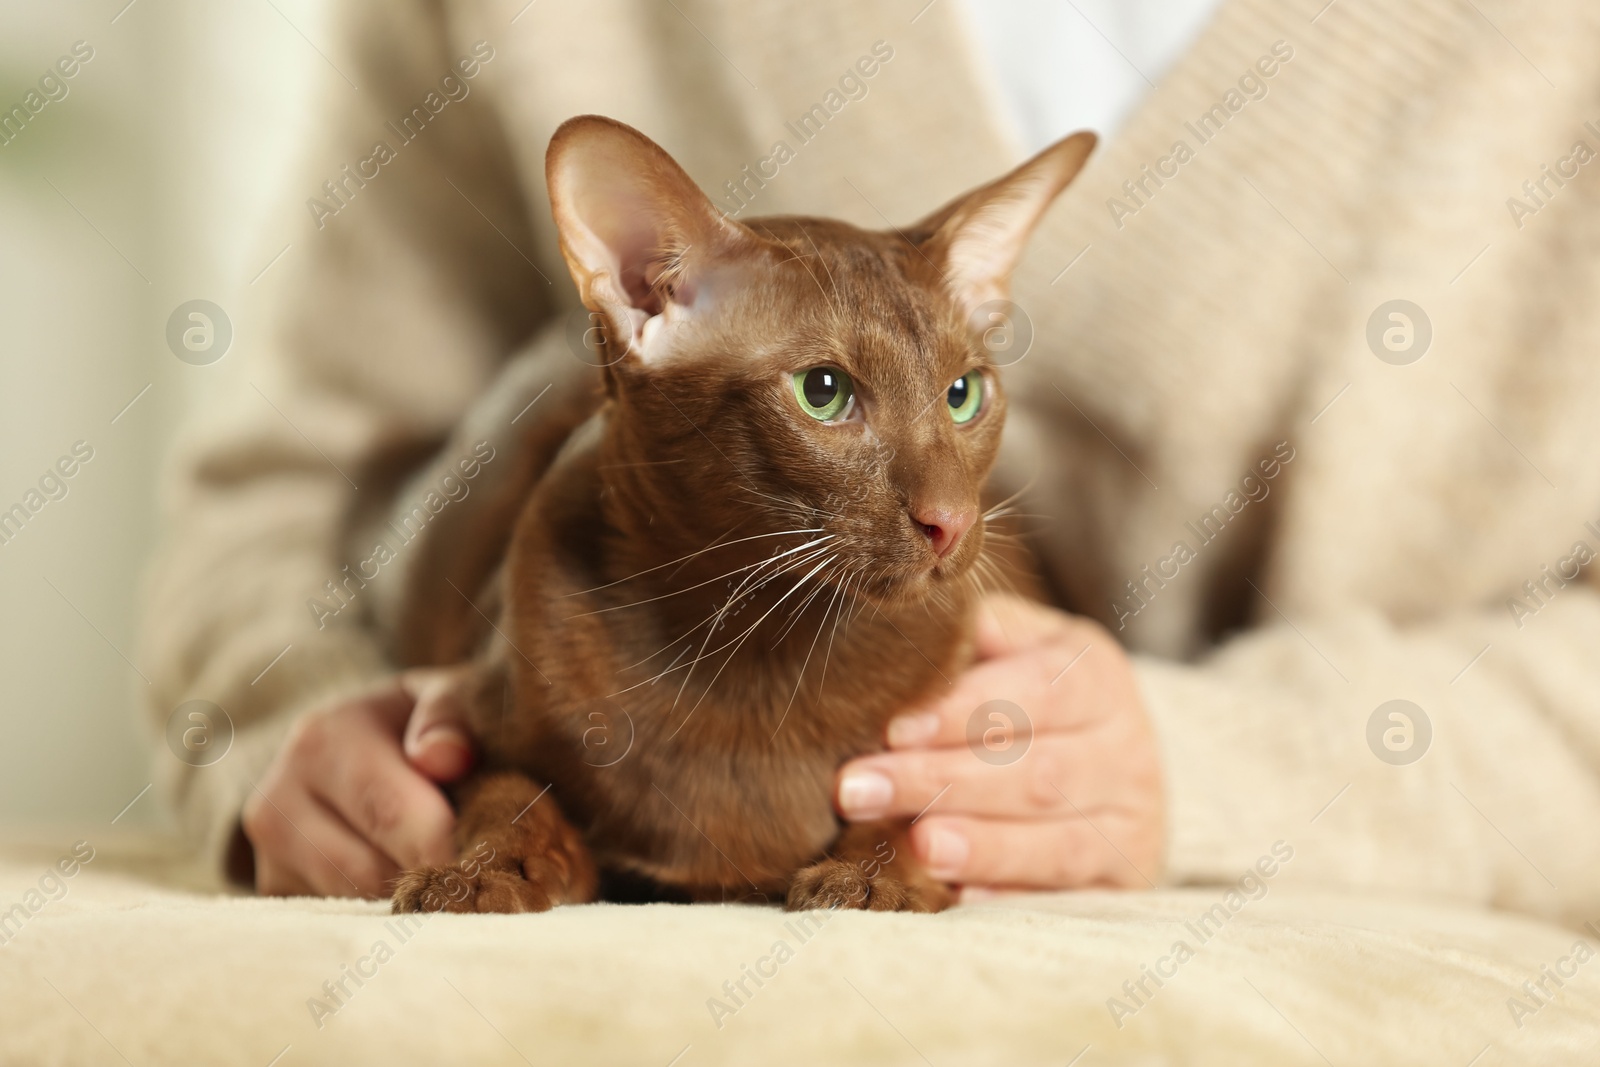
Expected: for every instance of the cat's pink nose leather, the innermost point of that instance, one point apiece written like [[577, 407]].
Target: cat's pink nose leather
[[944, 526]]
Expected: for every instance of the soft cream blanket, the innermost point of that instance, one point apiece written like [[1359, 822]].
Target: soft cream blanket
[[136, 963]]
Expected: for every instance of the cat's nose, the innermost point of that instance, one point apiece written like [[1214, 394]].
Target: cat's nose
[[944, 526]]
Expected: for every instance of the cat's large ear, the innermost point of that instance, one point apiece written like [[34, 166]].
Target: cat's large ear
[[638, 235], [978, 238]]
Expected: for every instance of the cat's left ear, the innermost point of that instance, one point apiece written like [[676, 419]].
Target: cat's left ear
[[641, 240], [978, 238]]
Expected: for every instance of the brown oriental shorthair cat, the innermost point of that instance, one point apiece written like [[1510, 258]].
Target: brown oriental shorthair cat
[[765, 542]]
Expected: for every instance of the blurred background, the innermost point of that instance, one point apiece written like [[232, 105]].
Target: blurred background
[[155, 180]]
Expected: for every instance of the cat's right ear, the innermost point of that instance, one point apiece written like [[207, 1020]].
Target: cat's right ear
[[977, 239], [638, 235]]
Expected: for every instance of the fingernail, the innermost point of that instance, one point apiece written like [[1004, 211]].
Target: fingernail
[[436, 737], [441, 732], [947, 853], [907, 730], [864, 793]]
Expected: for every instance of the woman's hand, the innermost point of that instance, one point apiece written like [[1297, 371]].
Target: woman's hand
[[1067, 797], [352, 798]]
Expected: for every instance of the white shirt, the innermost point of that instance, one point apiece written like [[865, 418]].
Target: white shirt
[[1065, 65]]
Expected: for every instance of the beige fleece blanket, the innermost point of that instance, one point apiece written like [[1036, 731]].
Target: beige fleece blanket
[[131, 960]]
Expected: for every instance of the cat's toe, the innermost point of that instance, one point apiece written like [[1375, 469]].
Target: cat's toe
[[454, 890], [829, 884], [432, 889], [839, 884]]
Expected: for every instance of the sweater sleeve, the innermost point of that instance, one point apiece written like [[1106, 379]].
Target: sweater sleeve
[[392, 314], [1483, 785]]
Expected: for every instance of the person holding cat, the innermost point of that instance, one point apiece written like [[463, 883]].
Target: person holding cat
[[1334, 665]]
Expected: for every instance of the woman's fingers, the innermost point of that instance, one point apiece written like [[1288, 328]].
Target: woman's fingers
[[273, 879], [1037, 768], [1102, 848], [358, 769], [1057, 685], [341, 811], [436, 740], [307, 847], [1051, 774], [1007, 624]]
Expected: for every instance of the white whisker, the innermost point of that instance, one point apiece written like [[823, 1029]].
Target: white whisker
[[692, 555], [838, 597], [697, 585], [717, 617], [741, 640], [795, 615]]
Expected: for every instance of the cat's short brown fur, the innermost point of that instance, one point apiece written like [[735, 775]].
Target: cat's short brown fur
[[713, 598]]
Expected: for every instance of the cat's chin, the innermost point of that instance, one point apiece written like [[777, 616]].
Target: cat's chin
[[914, 587]]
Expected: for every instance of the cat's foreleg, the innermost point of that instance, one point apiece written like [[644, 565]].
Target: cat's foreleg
[[518, 853]]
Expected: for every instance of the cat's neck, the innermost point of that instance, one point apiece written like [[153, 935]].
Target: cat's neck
[[761, 618]]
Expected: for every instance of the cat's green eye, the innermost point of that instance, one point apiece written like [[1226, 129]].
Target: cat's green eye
[[965, 397], [824, 392]]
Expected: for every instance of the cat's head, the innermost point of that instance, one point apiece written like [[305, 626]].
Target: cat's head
[[802, 374]]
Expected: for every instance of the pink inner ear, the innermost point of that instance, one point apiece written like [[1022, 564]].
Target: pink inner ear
[[636, 252], [979, 238], [641, 239], [632, 214], [626, 237]]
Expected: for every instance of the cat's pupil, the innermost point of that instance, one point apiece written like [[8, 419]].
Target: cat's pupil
[[958, 393], [820, 386]]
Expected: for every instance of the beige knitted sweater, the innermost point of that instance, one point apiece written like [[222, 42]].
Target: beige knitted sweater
[[1314, 521]]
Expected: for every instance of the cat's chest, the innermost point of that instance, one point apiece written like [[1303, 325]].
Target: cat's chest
[[740, 812]]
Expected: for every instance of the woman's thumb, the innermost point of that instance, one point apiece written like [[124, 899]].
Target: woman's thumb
[[436, 740]]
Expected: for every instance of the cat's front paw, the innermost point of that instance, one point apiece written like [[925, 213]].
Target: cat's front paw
[[835, 883], [452, 888]]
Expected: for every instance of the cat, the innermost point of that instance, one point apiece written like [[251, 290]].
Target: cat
[[763, 544]]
